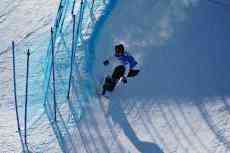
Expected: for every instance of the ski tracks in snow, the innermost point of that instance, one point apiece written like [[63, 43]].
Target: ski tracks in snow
[[179, 127]]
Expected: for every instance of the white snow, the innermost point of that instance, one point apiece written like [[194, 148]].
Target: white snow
[[174, 123], [135, 118], [28, 24]]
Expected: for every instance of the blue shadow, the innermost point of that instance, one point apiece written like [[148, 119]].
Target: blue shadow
[[119, 117]]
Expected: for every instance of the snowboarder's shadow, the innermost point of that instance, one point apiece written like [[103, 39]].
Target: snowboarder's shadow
[[118, 116]]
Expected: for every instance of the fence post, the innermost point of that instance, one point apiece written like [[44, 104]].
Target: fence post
[[73, 43], [15, 98], [59, 13], [80, 19], [72, 55], [26, 98], [53, 74], [91, 11], [72, 11]]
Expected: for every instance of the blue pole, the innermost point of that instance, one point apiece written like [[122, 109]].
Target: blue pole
[[63, 14], [59, 13], [72, 56], [72, 11], [53, 73], [15, 98], [80, 18], [73, 43], [59, 17], [26, 98], [91, 10], [92, 5]]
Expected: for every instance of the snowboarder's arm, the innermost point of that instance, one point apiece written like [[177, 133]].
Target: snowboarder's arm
[[132, 64], [106, 62], [110, 59], [131, 60]]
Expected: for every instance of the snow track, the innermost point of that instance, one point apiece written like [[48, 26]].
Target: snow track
[[173, 128], [87, 123], [171, 125]]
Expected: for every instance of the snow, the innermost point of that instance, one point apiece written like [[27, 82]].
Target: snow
[[27, 23], [176, 100], [179, 103]]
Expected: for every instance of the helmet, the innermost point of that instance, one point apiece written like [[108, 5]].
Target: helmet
[[119, 50]]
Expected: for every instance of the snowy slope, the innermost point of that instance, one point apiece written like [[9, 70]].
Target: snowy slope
[[28, 24], [179, 102]]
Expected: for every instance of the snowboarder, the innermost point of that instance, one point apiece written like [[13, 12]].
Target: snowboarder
[[121, 60]]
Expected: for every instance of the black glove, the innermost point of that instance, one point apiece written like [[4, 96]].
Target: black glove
[[106, 62], [124, 80]]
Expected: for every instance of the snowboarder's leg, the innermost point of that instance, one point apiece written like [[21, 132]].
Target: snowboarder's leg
[[104, 91], [118, 72], [133, 73], [108, 85], [110, 82]]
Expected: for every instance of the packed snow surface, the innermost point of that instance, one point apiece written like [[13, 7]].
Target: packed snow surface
[[28, 24], [179, 103]]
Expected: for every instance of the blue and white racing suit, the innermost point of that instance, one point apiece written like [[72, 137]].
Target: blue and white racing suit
[[126, 60]]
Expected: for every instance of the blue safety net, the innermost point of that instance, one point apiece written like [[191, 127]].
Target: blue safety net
[[60, 82], [68, 81]]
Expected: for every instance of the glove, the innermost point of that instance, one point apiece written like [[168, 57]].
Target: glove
[[124, 80], [106, 62]]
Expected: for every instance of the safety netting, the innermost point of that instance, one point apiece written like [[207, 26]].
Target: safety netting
[[57, 82], [68, 67]]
